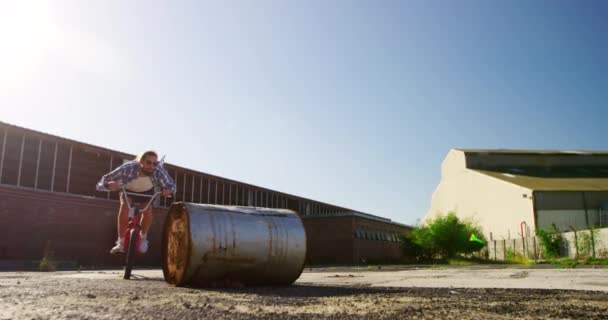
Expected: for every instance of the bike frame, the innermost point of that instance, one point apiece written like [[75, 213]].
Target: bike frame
[[132, 236], [135, 214]]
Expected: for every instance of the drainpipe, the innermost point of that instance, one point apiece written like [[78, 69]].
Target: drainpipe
[[523, 240]]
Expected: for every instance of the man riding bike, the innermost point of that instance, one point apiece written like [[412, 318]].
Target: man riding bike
[[141, 175]]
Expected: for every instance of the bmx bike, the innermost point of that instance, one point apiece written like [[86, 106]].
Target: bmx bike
[[132, 235]]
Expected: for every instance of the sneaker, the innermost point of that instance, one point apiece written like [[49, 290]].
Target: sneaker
[[118, 248], [143, 245]]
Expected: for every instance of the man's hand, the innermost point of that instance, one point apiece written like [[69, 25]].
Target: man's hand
[[112, 185], [166, 193]]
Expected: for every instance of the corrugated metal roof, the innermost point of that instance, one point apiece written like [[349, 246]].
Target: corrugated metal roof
[[360, 215], [551, 183], [535, 152], [110, 151]]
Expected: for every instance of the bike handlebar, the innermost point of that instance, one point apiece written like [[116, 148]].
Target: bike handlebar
[[152, 197]]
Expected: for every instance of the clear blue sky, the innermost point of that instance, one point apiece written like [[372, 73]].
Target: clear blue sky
[[354, 103]]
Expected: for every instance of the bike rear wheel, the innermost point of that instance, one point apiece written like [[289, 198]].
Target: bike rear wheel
[[130, 253]]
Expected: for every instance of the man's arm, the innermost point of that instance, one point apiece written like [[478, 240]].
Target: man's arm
[[165, 180], [116, 176]]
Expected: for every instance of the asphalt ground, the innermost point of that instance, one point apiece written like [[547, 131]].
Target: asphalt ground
[[320, 293]]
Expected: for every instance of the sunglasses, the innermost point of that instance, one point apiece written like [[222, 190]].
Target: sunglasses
[[152, 163]]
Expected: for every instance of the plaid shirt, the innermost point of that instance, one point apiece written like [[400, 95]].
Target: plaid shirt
[[130, 170]]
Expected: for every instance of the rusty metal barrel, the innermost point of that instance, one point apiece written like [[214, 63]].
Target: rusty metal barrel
[[209, 245]]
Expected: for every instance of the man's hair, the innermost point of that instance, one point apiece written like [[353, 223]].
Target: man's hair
[[144, 154]]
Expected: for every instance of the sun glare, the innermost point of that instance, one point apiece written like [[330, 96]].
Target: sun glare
[[26, 34]]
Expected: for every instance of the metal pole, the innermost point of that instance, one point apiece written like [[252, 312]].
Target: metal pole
[[575, 242], [208, 190], [534, 244], [591, 231], [230, 194], [184, 192], [223, 192], [237, 195], [514, 246], [38, 164], [20, 161], [175, 195], [54, 167], [67, 188], [216, 187], [585, 207], [200, 195], [192, 200], [3, 150]]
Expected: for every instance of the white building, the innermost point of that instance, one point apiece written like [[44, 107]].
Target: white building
[[508, 192]]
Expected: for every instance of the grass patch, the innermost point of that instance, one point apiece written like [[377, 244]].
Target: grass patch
[[461, 262], [595, 262], [569, 263], [516, 258]]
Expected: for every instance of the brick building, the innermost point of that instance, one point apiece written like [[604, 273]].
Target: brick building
[[48, 199]]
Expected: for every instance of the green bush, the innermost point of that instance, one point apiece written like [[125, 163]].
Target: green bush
[[444, 237], [47, 264], [48, 260], [413, 252], [551, 240], [586, 242]]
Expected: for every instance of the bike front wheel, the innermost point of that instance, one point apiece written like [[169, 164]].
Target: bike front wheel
[[130, 253]]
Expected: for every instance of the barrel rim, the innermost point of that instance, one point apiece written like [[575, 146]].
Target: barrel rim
[[181, 207]]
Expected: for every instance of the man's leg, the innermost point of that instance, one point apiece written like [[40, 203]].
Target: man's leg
[[123, 218], [122, 222], [146, 222]]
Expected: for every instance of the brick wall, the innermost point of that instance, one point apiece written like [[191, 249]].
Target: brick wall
[[335, 240], [378, 248], [83, 229], [329, 239], [80, 229]]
